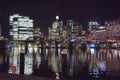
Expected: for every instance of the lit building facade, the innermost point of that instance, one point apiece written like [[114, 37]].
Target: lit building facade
[[75, 29], [65, 32], [1, 37], [113, 29], [37, 33], [57, 29], [93, 26], [21, 27]]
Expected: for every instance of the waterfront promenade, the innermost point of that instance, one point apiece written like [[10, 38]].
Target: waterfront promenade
[[5, 76]]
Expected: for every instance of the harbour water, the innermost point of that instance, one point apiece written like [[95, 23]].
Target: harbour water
[[66, 63]]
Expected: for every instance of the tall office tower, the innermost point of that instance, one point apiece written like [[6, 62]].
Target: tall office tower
[[0, 30], [93, 26], [21, 27], [65, 34], [37, 33], [74, 28], [57, 28], [1, 37]]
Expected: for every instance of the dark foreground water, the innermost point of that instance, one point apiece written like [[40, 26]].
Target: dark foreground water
[[64, 63]]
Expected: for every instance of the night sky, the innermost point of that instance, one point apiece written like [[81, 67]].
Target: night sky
[[43, 12]]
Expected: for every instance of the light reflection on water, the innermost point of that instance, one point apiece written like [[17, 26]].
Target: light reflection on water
[[87, 63]]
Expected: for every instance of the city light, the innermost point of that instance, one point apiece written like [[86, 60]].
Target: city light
[[57, 17], [60, 40]]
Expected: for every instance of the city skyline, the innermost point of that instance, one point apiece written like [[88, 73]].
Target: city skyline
[[43, 12]]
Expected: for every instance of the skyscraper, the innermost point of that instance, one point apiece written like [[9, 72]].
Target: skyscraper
[[75, 29], [21, 27], [57, 28], [0, 30]]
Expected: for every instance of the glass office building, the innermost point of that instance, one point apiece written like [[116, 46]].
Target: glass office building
[[21, 27]]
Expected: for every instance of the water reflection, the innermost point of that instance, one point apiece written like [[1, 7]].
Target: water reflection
[[61, 63], [55, 62], [14, 58], [97, 63]]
